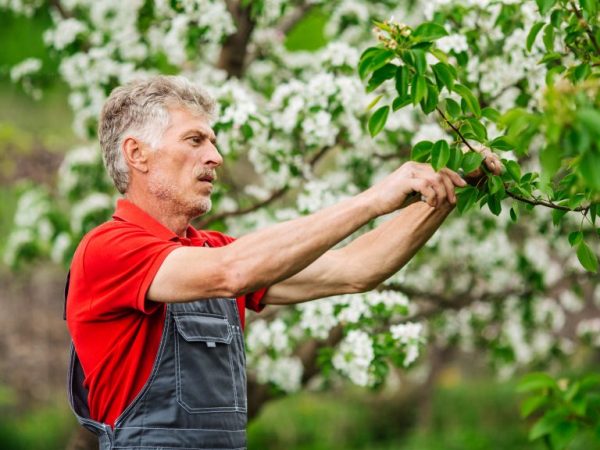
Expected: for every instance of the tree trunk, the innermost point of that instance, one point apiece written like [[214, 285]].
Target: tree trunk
[[233, 53]]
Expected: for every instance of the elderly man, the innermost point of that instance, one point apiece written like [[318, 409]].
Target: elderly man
[[156, 308]]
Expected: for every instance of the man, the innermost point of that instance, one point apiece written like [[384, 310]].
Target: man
[[156, 308]]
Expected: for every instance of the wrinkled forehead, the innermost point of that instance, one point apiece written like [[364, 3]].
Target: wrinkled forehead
[[182, 119]]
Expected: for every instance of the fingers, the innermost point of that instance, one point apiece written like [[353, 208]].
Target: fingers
[[437, 187], [492, 162], [456, 179], [449, 186]]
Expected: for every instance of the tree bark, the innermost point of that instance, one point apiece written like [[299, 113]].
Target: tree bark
[[233, 53]]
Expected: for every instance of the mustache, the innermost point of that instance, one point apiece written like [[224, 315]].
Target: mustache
[[206, 172]]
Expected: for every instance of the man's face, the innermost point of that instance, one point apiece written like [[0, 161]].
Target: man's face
[[182, 169]]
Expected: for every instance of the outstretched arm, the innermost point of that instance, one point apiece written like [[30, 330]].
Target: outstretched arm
[[375, 256], [365, 262]]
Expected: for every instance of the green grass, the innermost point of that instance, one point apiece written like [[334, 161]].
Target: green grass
[[47, 428]]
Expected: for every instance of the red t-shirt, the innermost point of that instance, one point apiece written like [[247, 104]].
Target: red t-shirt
[[115, 329]]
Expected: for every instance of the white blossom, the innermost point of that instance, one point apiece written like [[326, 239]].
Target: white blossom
[[353, 357]]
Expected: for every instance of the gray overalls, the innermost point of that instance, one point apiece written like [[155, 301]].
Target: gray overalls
[[195, 396]]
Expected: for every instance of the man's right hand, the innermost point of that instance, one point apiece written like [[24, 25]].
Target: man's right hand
[[436, 188]]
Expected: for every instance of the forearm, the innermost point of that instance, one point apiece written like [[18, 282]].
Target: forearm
[[375, 256], [265, 257]]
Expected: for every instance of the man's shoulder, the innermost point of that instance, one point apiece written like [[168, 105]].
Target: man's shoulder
[[109, 237], [109, 230]]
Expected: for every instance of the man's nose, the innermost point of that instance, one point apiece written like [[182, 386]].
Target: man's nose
[[213, 157]]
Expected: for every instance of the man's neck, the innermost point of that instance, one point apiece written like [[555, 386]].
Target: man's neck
[[175, 221]]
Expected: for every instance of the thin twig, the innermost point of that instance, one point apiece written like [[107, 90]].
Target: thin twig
[[585, 26]]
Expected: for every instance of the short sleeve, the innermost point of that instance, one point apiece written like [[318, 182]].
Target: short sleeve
[[120, 262], [251, 301]]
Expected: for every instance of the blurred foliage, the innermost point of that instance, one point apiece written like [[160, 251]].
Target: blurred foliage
[[566, 409], [308, 34], [46, 428], [473, 415]]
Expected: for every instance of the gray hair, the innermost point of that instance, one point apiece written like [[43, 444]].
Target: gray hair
[[140, 109]]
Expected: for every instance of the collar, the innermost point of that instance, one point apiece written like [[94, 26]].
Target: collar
[[126, 211]]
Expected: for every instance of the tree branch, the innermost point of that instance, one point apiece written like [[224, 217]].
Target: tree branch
[[585, 26], [531, 201], [275, 195]]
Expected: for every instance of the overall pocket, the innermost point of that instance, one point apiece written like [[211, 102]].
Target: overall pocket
[[206, 368]]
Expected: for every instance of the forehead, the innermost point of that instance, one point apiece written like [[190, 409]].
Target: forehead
[[183, 120]]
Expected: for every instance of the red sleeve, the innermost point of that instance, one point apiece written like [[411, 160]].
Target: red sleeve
[[119, 263], [252, 300]]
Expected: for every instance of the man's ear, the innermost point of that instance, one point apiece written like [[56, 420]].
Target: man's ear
[[136, 154]]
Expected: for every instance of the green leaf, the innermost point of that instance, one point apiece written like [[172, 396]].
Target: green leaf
[[402, 81], [374, 60], [535, 29], [471, 161], [575, 238], [590, 118], [430, 102], [495, 184], [582, 71], [466, 198], [563, 433], [557, 215], [549, 37], [365, 60], [440, 154], [590, 381], [469, 98], [429, 32], [478, 129], [374, 102], [513, 169], [455, 159], [491, 114], [421, 151], [385, 72], [550, 159], [418, 89], [401, 102], [420, 61], [532, 404], [501, 143], [546, 424], [494, 204], [587, 258], [590, 7], [453, 108], [513, 214], [590, 169], [536, 381], [378, 119], [444, 75], [545, 5]]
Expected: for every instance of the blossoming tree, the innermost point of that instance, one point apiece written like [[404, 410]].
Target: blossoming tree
[[512, 273]]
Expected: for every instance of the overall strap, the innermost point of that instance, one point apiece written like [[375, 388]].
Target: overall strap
[[66, 294]]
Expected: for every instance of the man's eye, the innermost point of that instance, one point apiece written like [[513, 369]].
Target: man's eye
[[196, 139]]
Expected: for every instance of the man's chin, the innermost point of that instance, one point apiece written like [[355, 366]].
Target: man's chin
[[202, 208]]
